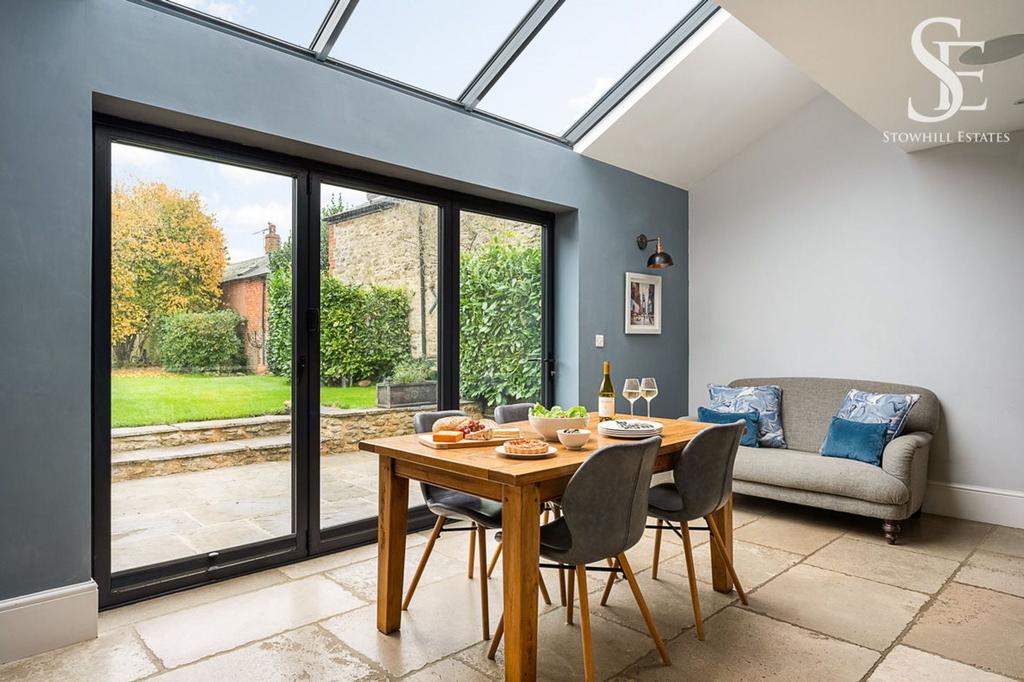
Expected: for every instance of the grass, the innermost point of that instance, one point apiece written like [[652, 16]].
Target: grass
[[141, 398]]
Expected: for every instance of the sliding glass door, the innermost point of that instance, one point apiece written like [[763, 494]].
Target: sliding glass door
[[255, 317]]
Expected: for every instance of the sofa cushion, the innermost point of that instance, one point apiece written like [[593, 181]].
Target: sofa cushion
[[810, 471], [809, 403], [749, 431], [765, 400]]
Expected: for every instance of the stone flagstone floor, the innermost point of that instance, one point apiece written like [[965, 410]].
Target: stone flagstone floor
[[168, 517], [828, 601]]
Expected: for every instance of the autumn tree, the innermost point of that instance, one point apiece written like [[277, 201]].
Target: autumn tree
[[167, 256]]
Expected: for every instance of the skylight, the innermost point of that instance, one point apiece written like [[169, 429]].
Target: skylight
[[586, 47], [295, 21], [437, 46], [553, 66]]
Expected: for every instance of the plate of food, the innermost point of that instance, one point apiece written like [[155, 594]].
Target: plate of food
[[466, 432], [526, 448]]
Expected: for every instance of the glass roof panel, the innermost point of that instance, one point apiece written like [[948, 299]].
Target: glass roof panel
[[295, 21], [438, 46], [583, 50]]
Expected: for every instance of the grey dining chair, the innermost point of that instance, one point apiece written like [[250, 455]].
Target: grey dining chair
[[702, 483], [481, 514], [518, 412], [604, 513]]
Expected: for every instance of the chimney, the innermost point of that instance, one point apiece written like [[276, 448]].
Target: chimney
[[271, 240]]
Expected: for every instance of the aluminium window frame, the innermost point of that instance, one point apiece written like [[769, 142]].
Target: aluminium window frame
[[332, 29], [309, 539]]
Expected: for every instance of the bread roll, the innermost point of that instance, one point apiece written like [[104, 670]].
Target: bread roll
[[450, 423]]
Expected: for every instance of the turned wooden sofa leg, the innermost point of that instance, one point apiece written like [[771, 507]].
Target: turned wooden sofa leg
[[892, 530]]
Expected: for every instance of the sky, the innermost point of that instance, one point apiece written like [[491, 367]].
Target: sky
[[439, 45], [242, 200]]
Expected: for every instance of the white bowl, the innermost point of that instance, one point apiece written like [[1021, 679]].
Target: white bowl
[[573, 441], [547, 427]]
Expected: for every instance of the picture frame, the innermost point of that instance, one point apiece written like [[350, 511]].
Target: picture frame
[[643, 303]]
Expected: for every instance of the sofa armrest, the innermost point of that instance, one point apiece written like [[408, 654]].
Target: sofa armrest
[[906, 455]]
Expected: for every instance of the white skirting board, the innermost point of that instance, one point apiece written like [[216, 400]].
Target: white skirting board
[[47, 620], [975, 503]]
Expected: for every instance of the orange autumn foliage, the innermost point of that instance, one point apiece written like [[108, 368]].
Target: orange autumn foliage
[[167, 256]]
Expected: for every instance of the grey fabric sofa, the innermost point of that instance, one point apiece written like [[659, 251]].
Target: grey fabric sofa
[[799, 474]]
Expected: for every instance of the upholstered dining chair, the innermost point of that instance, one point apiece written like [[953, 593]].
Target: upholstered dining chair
[[603, 514], [481, 514], [518, 412], [702, 483]]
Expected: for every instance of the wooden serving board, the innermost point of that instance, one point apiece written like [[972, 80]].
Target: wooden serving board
[[464, 443]]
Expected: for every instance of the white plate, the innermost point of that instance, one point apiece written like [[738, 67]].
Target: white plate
[[654, 428], [550, 453]]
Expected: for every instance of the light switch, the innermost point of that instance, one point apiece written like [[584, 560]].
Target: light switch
[[599, 341]]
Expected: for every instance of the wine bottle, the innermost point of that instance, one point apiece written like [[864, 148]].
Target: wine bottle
[[606, 396]]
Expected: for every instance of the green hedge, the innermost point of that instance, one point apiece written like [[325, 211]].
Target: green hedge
[[500, 320], [364, 330], [201, 342]]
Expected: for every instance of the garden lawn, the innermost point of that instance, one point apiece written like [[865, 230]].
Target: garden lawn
[[144, 398]]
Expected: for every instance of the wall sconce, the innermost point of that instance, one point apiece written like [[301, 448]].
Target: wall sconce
[[660, 258]]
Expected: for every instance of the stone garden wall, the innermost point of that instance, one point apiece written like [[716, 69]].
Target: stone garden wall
[[140, 452]]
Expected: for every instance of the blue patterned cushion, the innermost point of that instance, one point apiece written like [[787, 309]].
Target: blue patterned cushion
[[749, 438], [878, 408], [767, 400], [862, 441]]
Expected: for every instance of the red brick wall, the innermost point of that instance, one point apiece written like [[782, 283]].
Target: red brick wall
[[248, 298]]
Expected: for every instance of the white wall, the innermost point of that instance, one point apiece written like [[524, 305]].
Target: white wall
[[822, 251]]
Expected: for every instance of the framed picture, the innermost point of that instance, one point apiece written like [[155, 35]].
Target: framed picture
[[643, 303]]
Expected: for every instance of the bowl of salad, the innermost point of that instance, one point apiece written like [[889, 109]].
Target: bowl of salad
[[547, 422]]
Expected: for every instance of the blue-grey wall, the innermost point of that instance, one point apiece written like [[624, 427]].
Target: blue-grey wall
[[60, 57]]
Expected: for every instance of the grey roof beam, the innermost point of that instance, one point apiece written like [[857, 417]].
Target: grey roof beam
[[516, 42], [641, 70], [329, 31]]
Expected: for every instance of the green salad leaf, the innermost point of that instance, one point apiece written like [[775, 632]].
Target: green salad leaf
[[557, 412]]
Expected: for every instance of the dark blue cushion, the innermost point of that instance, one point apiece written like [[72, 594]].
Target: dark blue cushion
[[751, 418], [861, 441]]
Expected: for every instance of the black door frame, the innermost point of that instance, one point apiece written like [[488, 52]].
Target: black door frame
[[308, 539]]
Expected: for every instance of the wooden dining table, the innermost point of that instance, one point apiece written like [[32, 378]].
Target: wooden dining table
[[521, 486]]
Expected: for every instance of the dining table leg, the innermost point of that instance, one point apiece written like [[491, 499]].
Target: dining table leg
[[393, 500], [720, 578], [521, 538]]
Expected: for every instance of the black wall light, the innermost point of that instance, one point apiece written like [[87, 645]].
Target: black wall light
[[660, 258]]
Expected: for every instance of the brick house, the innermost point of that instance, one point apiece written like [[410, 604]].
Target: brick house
[[244, 290]]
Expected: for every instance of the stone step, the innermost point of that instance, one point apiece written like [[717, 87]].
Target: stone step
[[163, 461]]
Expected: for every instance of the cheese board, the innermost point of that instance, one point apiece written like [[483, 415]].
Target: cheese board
[[428, 440]]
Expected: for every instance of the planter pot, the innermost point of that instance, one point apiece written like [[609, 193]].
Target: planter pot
[[407, 395]]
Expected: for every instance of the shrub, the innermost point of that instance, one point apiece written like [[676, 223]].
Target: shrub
[[201, 342], [364, 330], [500, 320], [413, 371]]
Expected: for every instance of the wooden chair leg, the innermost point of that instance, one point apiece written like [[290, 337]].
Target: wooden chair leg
[[472, 549], [494, 559], [691, 575], [571, 603], [423, 562], [627, 570], [481, 534], [608, 585], [543, 587], [492, 651], [588, 645], [717, 537], [657, 550]]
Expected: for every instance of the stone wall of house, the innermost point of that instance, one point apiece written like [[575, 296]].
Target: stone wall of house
[[394, 244]]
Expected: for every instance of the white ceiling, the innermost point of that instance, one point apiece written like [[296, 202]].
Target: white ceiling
[[860, 51], [720, 91]]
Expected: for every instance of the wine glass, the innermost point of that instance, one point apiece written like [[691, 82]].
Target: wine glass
[[648, 391], [631, 392]]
